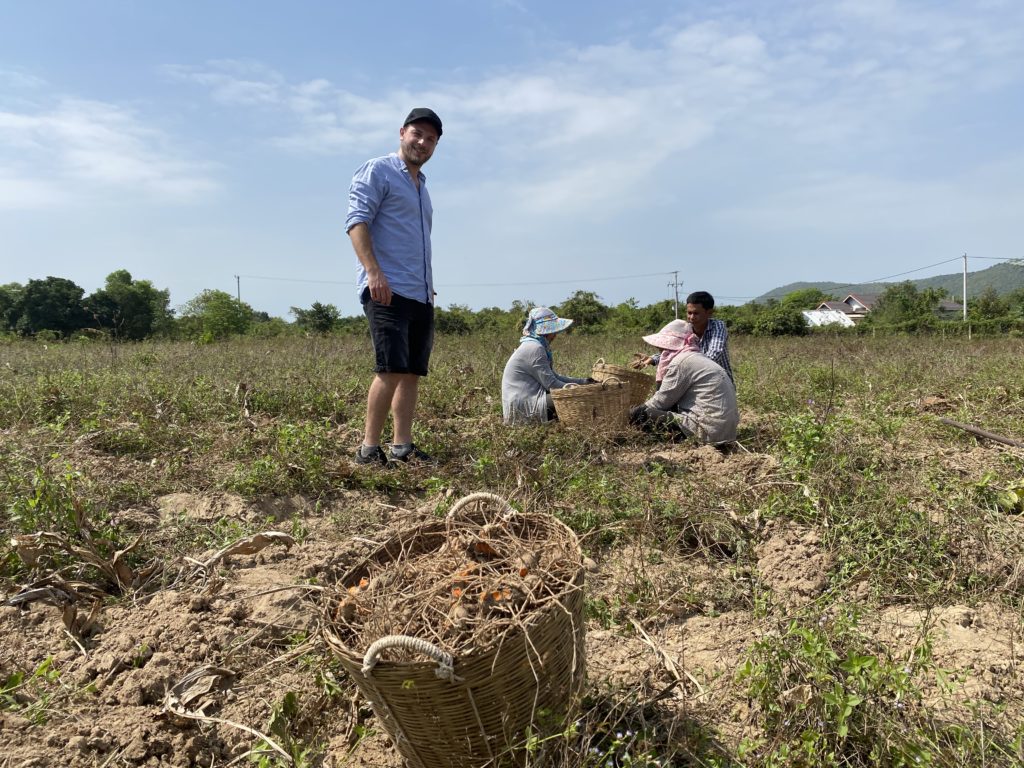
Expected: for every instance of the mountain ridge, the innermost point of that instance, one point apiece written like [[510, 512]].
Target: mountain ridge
[[1004, 278]]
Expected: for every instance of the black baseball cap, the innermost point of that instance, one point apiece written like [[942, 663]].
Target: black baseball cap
[[422, 113]]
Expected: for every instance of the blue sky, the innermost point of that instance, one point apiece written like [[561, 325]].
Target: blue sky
[[591, 146]]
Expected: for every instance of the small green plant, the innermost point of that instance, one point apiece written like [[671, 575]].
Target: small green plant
[[284, 723], [30, 694], [805, 438], [829, 699], [1007, 497], [141, 655], [53, 502]]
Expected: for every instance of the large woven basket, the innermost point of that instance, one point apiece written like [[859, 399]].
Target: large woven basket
[[604, 404], [478, 709], [640, 384]]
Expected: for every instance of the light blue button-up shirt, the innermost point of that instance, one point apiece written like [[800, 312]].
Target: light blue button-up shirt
[[399, 217]]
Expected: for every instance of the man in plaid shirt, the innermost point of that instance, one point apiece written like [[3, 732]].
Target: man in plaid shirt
[[714, 338]]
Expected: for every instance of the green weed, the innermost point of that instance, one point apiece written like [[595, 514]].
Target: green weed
[[30, 695]]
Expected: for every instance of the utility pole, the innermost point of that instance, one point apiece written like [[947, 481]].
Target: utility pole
[[965, 287], [674, 285], [238, 288]]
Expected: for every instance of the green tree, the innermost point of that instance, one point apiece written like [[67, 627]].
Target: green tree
[[319, 318], [215, 315], [130, 309], [497, 320], [989, 306], [904, 303], [457, 320], [780, 320], [742, 319], [1015, 304], [269, 327], [53, 304], [805, 298], [11, 296], [627, 318], [586, 309]]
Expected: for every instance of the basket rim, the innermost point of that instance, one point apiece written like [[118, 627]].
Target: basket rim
[[587, 390], [621, 370], [437, 527], [554, 604]]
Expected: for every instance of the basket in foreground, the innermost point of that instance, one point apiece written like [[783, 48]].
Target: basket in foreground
[[604, 404], [640, 384], [477, 707]]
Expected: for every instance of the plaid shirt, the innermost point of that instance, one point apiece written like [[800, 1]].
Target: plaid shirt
[[715, 344]]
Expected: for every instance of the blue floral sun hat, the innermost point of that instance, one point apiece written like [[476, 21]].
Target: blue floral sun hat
[[542, 321]]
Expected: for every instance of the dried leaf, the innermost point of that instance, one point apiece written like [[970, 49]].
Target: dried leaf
[[259, 541], [250, 545], [194, 692], [483, 548]]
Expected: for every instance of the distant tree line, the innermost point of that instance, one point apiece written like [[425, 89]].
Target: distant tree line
[[132, 310], [56, 307]]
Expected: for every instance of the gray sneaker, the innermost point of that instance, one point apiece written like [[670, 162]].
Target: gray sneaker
[[376, 456], [413, 454]]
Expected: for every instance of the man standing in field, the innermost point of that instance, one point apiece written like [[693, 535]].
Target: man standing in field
[[712, 334], [389, 222]]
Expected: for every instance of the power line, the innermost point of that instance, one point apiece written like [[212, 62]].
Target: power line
[[295, 280], [1008, 260], [470, 285], [553, 282], [578, 281], [919, 269], [901, 274]]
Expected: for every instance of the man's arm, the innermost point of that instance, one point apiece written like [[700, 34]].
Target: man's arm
[[362, 243], [713, 345]]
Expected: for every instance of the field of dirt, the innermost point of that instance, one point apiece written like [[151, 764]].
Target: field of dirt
[[191, 672]]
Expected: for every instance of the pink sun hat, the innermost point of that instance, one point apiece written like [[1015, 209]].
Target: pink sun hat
[[677, 335]]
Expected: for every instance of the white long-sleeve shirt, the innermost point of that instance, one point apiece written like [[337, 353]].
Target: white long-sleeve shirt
[[525, 383]]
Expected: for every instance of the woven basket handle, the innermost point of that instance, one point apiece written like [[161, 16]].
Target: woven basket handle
[[445, 661], [509, 511], [599, 361]]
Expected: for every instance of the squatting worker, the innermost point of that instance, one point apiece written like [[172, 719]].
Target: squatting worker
[[389, 221], [529, 374], [696, 396], [710, 332]]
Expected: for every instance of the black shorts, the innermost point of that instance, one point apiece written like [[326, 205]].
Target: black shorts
[[402, 334]]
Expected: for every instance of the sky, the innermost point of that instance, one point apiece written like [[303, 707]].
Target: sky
[[610, 147]]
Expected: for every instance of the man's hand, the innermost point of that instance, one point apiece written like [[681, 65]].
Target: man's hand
[[380, 289], [639, 361]]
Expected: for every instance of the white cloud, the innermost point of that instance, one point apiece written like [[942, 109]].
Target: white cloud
[[857, 203], [18, 193], [15, 78], [826, 73], [244, 83], [854, 82], [86, 148]]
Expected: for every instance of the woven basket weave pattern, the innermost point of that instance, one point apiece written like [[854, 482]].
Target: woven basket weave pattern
[[640, 384], [534, 673], [603, 404]]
